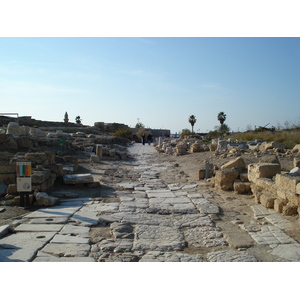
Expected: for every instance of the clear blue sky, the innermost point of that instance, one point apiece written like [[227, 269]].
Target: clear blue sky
[[158, 81]]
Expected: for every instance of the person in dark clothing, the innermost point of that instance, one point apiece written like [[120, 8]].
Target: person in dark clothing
[[149, 139], [143, 138]]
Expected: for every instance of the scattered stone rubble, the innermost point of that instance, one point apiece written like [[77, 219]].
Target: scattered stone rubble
[[271, 187], [49, 155]]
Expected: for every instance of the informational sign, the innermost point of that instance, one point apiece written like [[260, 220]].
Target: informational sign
[[24, 184], [23, 170]]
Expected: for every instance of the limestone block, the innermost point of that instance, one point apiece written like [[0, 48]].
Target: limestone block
[[285, 182], [297, 161], [94, 158], [7, 168], [222, 145], [197, 147], [11, 189], [244, 177], [8, 142], [37, 157], [78, 178], [241, 187], [8, 178], [57, 169], [262, 170], [224, 179], [13, 128], [44, 199], [25, 142], [296, 148], [267, 199], [279, 204], [238, 163], [39, 177], [289, 209], [213, 147], [267, 184], [181, 148]]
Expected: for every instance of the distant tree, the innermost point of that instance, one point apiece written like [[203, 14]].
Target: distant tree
[[192, 121], [224, 129], [78, 120], [221, 117], [139, 125], [184, 133]]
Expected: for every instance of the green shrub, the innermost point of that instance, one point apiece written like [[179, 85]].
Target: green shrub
[[184, 133], [125, 133]]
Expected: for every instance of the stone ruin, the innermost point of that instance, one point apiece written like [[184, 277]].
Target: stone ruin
[[270, 186], [49, 163]]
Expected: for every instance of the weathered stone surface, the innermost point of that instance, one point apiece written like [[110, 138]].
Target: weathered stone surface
[[242, 187], [159, 256], [237, 163], [67, 249], [78, 178], [38, 227], [289, 209], [44, 199], [267, 199], [121, 230], [231, 256], [290, 252], [4, 229], [37, 157], [86, 216], [68, 239], [75, 230], [262, 170], [116, 245], [286, 182], [205, 236], [206, 207], [158, 238], [224, 179]]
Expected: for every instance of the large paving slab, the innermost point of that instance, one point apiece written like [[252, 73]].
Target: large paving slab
[[231, 256], [66, 250], [149, 237], [69, 239], [159, 256], [290, 252], [38, 227], [86, 216]]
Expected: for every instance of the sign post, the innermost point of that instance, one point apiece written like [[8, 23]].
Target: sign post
[[24, 181]]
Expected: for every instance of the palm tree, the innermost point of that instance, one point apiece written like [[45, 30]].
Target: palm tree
[[192, 120], [221, 117]]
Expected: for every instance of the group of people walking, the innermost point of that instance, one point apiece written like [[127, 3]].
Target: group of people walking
[[148, 138]]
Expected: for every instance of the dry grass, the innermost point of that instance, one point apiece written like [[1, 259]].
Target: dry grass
[[288, 137]]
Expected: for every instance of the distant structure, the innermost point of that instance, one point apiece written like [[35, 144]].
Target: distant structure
[[66, 119]]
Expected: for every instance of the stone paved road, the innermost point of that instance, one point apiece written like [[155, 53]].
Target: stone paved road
[[149, 221]]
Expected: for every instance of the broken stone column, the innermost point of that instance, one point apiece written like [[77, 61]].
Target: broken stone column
[[99, 151], [13, 128]]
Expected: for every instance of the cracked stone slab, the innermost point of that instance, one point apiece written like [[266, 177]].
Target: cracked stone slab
[[63, 259], [119, 257], [205, 236], [189, 186], [149, 237], [86, 216], [290, 252], [230, 256], [272, 236], [279, 221], [116, 245], [206, 207], [261, 211], [75, 230], [62, 220], [107, 207], [53, 212], [159, 256], [173, 204], [160, 194], [188, 220], [68, 239], [67, 249], [38, 227], [129, 185], [26, 240], [16, 255]]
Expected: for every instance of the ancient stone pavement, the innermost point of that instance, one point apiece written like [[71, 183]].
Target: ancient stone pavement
[[149, 222]]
